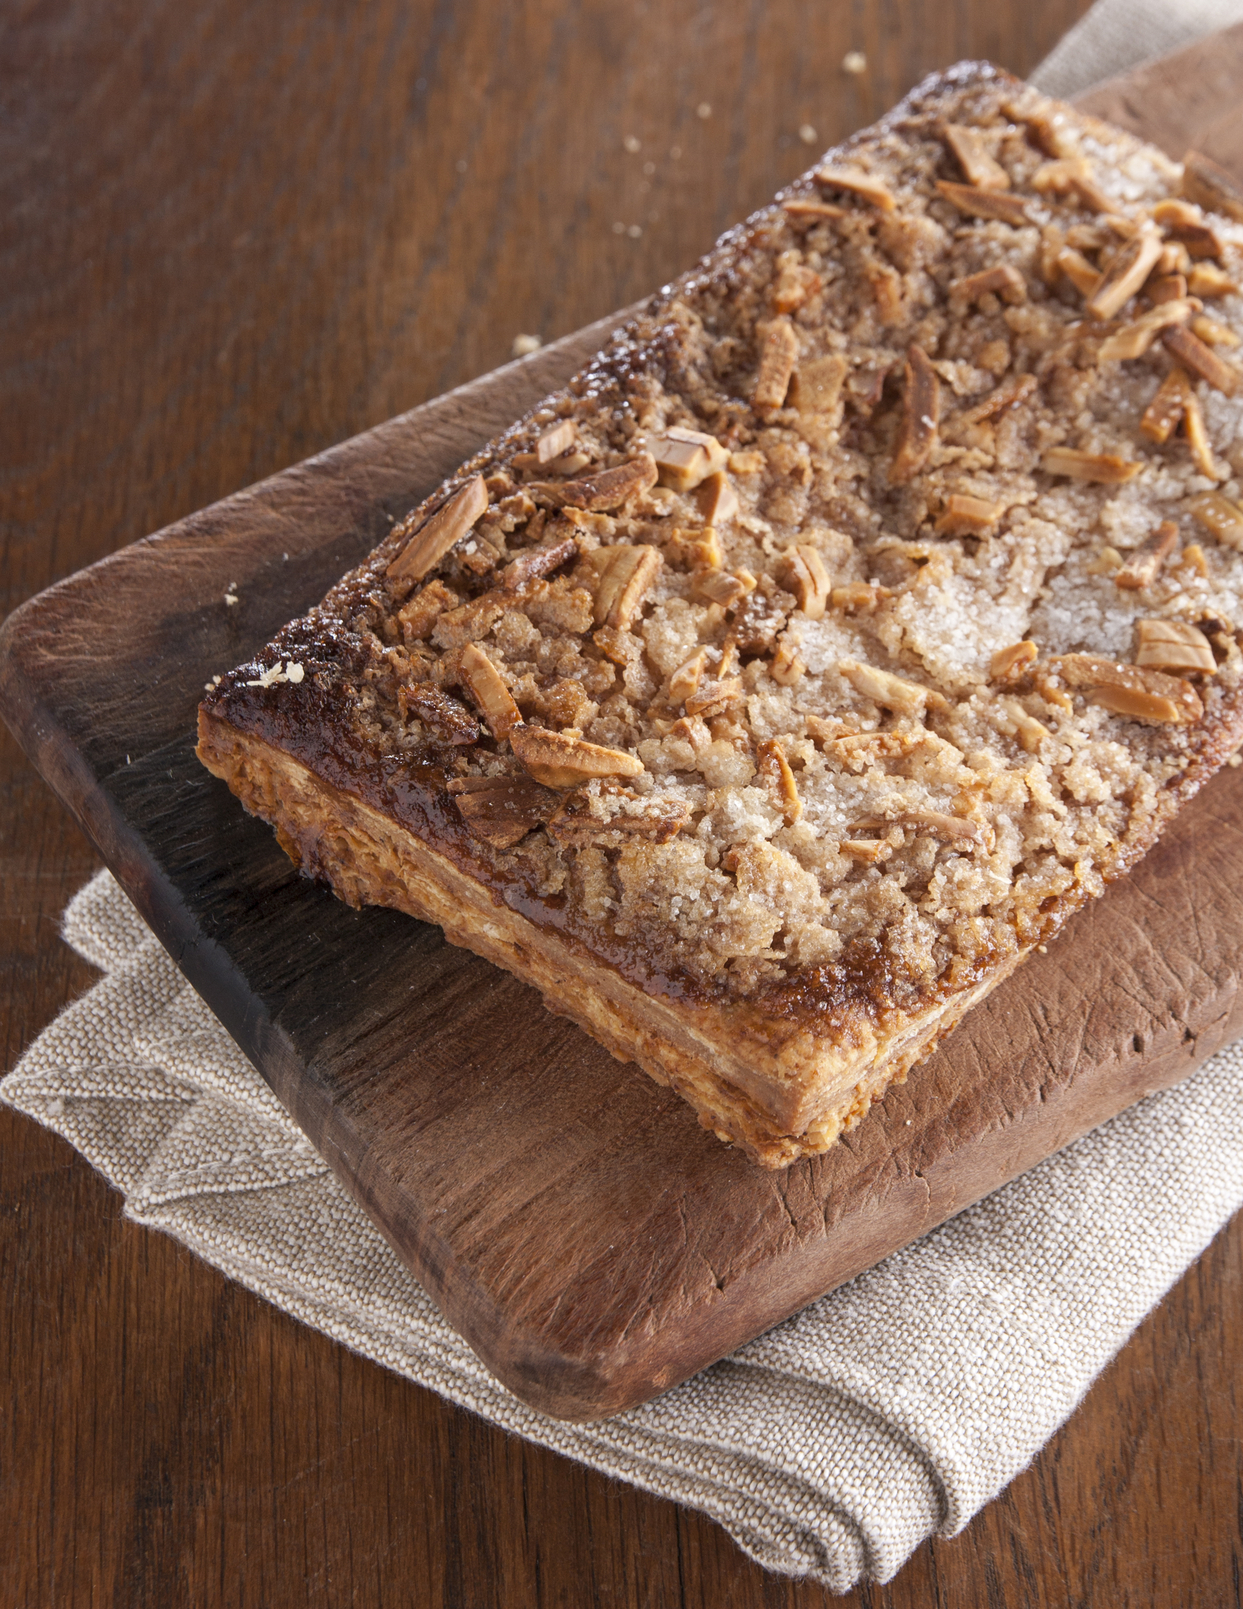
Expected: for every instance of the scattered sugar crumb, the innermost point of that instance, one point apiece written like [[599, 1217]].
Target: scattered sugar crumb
[[524, 345], [854, 61]]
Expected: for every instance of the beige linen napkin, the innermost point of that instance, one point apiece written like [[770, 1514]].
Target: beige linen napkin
[[832, 1446]]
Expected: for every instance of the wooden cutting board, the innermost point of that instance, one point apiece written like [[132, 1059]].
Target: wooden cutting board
[[592, 1243]]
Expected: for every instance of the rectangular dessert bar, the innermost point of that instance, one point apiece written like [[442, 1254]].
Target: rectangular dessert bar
[[872, 600]]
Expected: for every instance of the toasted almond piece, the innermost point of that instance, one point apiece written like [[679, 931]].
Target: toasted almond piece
[[724, 586], [1172, 646], [1106, 561], [567, 464], [716, 499], [977, 203], [487, 688], [1071, 175], [967, 516], [684, 458], [418, 618], [1213, 333], [537, 561], [1167, 407], [607, 488], [805, 209], [1007, 395], [1192, 353], [557, 439], [1003, 281], [1193, 554], [785, 666], [502, 810], [809, 578], [560, 761], [1211, 186], [1169, 287], [1106, 468], [793, 285], [1078, 270], [858, 596], [686, 678], [1048, 128], [818, 384], [625, 573], [1124, 275], [893, 692], [447, 720], [1196, 432], [694, 549], [1031, 733], [747, 463], [1220, 517], [1134, 339], [582, 818], [868, 850], [1008, 662], [921, 409], [714, 697], [1206, 279], [778, 359], [1131, 690], [859, 183], [1187, 228], [952, 829], [1052, 240], [979, 167], [774, 768], [432, 540], [1144, 564]]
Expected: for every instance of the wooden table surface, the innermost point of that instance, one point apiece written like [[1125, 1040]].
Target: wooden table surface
[[235, 234]]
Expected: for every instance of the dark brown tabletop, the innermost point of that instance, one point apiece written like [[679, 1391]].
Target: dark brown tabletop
[[233, 235]]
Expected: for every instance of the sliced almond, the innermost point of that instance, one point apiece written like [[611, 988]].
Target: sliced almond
[[1171, 646], [607, 488], [537, 561], [1211, 186], [1009, 662], [1170, 287], [1048, 127], [1007, 395], [1106, 468], [1213, 333], [1124, 275], [487, 688], [1220, 517], [714, 697], [778, 359], [1003, 281], [432, 540], [684, 458], [967, 516], [809, 578], [857, 182], [978, 203], [867, 850], [1144, 564], [893, 692], [1079, 271], [1131, 690], [1030, 732], [1196, 432], [1169, 403], [696, 549], [557, 439], [716, 499], [686, 678], [1192, 353], [921, 410], [774, 768], [951, 829], [1206, 279], [502, 810], [805, 209], [1134, 339], [818, 384], [1072, 175], [418, 618], [858, 596], [560, 761], [724, 587], [446, 720], [1193, 554], [625, 574], [785, 666], [979, 167]]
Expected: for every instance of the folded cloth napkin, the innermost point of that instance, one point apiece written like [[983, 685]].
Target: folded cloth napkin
[[890, 1410]]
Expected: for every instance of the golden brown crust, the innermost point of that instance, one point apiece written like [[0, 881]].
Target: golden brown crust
[[783, 691]]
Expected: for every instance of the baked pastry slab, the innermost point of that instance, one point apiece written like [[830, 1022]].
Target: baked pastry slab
[[861, 611]]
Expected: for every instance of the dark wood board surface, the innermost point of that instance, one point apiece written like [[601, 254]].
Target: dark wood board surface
[[505, 1156], [150, 1466]]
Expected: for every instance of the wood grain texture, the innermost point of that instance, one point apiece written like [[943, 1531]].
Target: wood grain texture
[[172, 1439]]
